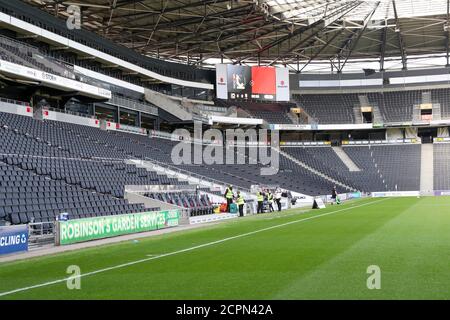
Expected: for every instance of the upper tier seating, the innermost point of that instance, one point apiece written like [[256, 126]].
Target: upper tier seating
[[394, 106], [276, 113], [442, 96], [329, 108], [23, 54]]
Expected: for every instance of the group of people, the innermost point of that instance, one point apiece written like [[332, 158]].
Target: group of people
[[270, 198], [262, 197], [229, 195]]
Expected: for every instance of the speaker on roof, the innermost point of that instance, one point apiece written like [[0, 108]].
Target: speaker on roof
[[368, 72]]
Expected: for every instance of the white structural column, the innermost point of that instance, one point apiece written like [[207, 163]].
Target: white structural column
[[427, 168]]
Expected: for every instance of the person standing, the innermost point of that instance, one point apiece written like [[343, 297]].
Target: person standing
[[229, 196], [333, 195], [240, 202], [260, 200], [278, 198], [270, 200]]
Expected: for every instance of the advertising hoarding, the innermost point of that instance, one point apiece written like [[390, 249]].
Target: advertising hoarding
[[81, 230], [13, 239]]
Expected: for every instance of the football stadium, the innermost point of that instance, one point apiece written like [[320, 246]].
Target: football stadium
[[235, 150]]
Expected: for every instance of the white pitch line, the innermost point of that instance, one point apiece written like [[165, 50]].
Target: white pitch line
[[2, 294]]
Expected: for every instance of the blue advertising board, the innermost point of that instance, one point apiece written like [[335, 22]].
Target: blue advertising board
[[354, 195], [13, 239]]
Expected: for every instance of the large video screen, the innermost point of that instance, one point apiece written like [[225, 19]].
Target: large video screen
[[236, 82]]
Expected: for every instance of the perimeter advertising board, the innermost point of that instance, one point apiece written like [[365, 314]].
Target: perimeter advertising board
[[13, 239], [81, 230], [395, 194]]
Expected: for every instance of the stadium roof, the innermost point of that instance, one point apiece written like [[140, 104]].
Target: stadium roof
[[291, 32]]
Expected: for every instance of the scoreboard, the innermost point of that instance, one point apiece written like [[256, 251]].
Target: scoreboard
[[236, 82]]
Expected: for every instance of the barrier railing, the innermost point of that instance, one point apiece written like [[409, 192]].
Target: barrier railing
[[40, 234]]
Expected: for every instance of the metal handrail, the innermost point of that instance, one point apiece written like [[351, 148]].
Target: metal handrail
[[70, 112], [13, 101]]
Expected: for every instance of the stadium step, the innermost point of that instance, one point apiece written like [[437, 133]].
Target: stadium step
[[427, 168], [346, 159]]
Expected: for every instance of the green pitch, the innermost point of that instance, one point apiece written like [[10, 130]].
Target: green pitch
[[320, 254]]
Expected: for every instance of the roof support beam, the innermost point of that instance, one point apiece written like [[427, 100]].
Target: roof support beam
[[299, 31], [400, 38], [182, 22], [383, 48], [447, 36], [321, 49], [360, 33]]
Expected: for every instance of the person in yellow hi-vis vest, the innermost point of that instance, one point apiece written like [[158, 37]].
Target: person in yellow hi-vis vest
[[270, 200], [260, 200], [229, 196], [240, 202]]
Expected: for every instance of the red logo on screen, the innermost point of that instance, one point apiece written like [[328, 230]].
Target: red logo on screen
[[221, 80], [282, 82]]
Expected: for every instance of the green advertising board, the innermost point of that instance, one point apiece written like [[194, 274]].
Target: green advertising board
[[80, 230]]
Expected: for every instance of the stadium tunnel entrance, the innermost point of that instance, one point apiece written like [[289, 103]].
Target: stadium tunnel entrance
[[427, 134]]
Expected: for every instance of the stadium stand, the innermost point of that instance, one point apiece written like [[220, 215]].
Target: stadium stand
[[329, 108], [394, 106], [383, 167], [441, 166], [387, 167], [46, 150], [95, 162], [26, 197], [442, 96]]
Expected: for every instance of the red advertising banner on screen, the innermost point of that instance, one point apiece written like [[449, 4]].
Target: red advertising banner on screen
[[264, 80]]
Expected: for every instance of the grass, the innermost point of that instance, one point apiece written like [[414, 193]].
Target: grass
[[326, 256]]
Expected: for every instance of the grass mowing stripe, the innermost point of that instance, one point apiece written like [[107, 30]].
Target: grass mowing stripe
[[185, 250]]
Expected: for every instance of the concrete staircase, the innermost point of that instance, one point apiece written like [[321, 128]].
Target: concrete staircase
[[376, 115], [346, 159], [316, 172], [427, 168], [172, 106], [292, 117]]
